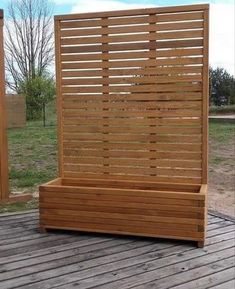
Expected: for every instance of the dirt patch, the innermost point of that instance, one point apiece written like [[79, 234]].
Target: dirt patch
[[221, 196]]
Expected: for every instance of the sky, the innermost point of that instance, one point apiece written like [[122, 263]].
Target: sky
[[222, 23]]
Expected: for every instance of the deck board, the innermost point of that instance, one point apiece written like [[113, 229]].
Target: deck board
[[66, 260]]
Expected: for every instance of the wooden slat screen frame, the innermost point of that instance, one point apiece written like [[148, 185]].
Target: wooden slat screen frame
[[4, 186], [62, 24]]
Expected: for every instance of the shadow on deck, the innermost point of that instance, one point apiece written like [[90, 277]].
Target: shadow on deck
[[65, 260]]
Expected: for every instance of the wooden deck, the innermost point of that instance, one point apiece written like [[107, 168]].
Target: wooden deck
[[66, 260]]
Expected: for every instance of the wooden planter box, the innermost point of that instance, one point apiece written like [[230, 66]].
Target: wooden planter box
[[123, 207]]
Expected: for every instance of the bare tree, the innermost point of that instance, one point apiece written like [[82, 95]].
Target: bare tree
[[29, 40]]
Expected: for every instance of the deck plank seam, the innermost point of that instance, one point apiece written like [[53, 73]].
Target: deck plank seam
[[189, 249]]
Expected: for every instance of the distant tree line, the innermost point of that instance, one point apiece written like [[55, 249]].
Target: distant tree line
[[222, 86]]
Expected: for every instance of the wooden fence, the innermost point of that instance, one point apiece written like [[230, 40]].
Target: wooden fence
[[4, 190], [16, 111], [4, 177], [132, 91]]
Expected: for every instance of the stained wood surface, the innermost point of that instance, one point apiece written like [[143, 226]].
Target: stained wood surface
[[112, 206], [132, 89], [4, 188], [64, 260]]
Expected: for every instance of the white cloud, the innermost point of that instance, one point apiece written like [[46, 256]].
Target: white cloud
[[104, 5], [65, 2], [222, 33], [221, 25]]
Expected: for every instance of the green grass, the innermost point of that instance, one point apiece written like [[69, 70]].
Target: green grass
[[221, 132], [28, 178], [18, 207], [32, 157], [217, 160]]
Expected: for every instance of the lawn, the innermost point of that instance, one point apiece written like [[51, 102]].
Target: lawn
[[33, 161], [33, 153], [32, 156]]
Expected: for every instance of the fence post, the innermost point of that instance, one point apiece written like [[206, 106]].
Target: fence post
[[4, 186]]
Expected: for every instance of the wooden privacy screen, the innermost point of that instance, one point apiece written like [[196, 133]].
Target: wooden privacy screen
[[131, 92], [132, 99], [4, 191]]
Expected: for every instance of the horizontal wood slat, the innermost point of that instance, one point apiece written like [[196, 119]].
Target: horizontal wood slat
[[86, 128], [133, 37], [134, 162], [164, 216], [133, 177], [132, 80], [141, 20], [171, 44], [125, 187], [159, 71], [167, 155], [121, 201], [183, 96], [133, 55], [70, 222], [132, 63]]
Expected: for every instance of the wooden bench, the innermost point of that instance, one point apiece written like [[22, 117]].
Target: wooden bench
[[132, 90]]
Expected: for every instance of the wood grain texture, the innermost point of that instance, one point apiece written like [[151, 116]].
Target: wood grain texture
[[4, 186], [67, 260], [58, 98], [146, 209], [205, 98], [132, 89]]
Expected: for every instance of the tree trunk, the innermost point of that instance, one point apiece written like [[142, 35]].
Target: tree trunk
[[44, 114]]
